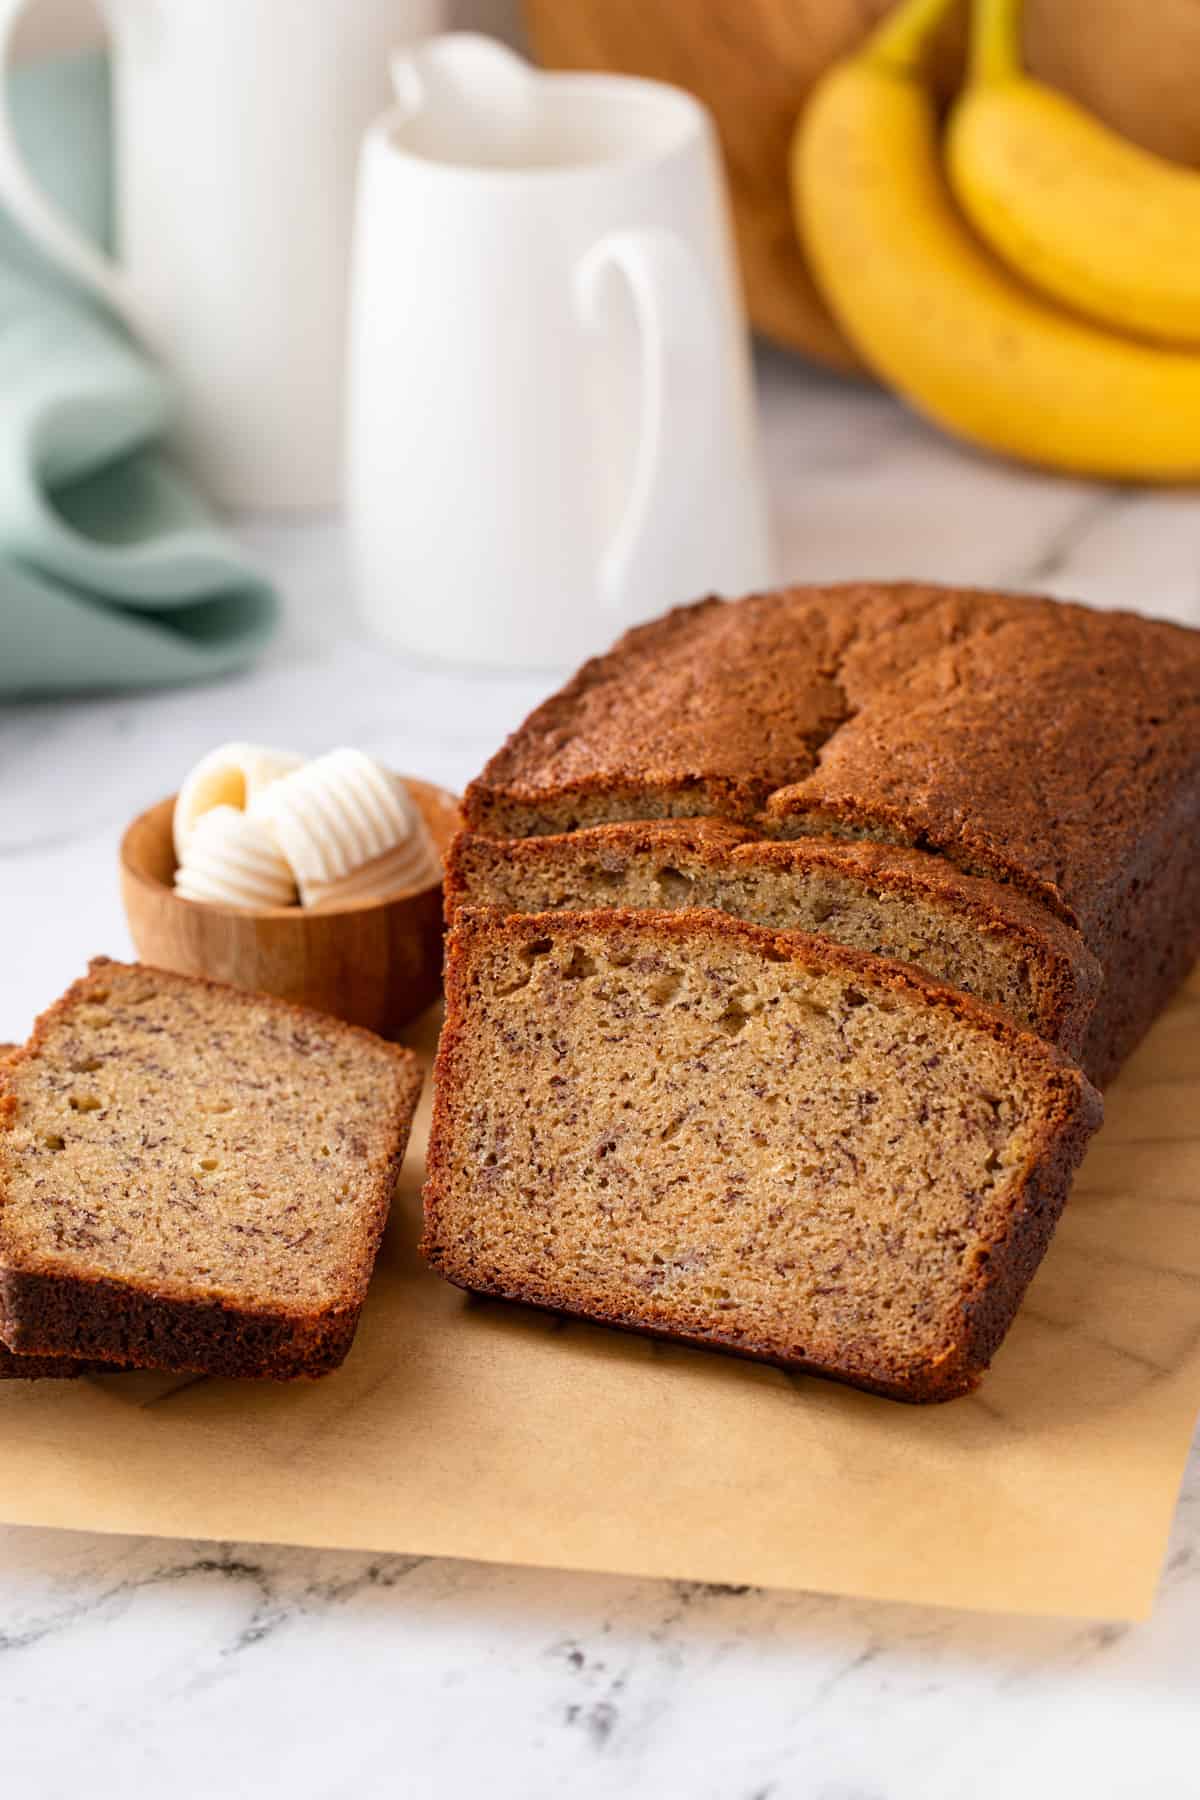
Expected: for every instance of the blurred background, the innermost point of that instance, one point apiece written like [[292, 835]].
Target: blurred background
[[59, 25]]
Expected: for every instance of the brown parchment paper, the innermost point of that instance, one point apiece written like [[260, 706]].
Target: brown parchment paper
[[474, 1429]]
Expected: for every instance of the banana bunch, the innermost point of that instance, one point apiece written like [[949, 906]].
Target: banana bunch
[[1009, 317], [1093, 220]]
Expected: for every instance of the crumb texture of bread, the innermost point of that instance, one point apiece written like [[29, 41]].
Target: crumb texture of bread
[[194, 1177], [976, 935], [44, 1368], [688, 1125], [1041, 744]]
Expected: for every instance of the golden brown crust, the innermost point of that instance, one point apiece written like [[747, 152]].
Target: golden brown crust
[[1071, 1113], [49, 1368], [1044, 745], [124, 1324], [649, 731], [45, 1311]]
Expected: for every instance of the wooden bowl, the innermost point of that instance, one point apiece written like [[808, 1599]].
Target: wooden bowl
[[376, 963], [754, 62]]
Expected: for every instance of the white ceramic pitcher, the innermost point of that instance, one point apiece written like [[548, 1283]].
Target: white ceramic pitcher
[[551, 425], [237, 128]]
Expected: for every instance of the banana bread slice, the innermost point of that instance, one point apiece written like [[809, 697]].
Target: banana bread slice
[[193, 1177], [980, 936], [772, 1144]]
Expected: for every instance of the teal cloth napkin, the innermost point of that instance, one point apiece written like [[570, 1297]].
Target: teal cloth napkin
[[113, 572]]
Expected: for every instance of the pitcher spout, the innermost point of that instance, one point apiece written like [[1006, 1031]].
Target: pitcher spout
[[472, 99]]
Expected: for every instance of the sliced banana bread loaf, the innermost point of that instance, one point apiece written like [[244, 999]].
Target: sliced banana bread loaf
[[1043, 745], [987, 939], [193, 1177], [689, 1125]]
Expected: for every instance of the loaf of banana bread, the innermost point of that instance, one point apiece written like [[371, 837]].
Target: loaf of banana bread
[[1043, 748], [761, 1142]]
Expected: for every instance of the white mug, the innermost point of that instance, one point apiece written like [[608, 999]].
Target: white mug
[[237, 129], [551, 427]]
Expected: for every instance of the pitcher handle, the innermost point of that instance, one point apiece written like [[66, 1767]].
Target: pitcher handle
[[682, 367], [48, 228]]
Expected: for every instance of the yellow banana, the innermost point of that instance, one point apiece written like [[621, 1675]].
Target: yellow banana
[[937, 317], [1091, 219]]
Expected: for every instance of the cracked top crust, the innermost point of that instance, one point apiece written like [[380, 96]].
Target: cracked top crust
[[1025, 739]]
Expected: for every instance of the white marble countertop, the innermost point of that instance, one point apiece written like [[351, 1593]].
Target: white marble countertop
[[127, 1664]]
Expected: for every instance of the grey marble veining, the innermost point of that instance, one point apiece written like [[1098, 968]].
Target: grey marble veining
[[129, 1664]]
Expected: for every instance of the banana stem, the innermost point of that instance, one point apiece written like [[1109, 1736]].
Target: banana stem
[[903, 37], [995, 53]]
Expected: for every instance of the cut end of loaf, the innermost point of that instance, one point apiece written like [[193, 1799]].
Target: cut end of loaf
[[697, 1128]]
